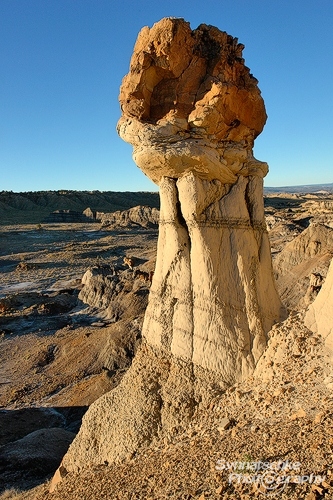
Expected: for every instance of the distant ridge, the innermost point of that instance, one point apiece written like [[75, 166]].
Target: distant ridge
[[304, 188], [32, 207]]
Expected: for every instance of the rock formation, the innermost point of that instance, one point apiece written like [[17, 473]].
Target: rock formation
[[113, 292], [136, 217], [309, 253], [319, 317], [192, 110]]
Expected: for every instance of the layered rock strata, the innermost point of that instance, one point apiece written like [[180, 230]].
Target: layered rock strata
[[191, 110], [309, 253], [136, 217]]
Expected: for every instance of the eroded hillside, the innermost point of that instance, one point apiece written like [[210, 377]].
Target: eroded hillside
[[33, 207]]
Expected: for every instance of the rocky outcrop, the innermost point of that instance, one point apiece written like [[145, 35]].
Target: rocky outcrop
[[136, 217], [320, 206], [91, 214], [191, 110], [314, 241], [307, 254], [113, 292], [315, 284], [319, 317]]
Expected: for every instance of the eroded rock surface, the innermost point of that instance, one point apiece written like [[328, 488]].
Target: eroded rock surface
[[190, 104], [191, 110], [309, 253], [319, 317], [136, 217]]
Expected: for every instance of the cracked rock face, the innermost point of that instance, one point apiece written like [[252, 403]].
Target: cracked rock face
[[191, 110]]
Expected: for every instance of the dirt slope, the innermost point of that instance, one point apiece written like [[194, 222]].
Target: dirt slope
[[284, 413]]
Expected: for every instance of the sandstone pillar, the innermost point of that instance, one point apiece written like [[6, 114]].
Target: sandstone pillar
[[191, 110]]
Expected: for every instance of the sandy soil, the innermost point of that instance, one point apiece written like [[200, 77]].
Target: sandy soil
[[50, 340]]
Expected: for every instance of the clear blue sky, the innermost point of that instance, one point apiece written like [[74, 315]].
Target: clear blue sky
[[61, 65]]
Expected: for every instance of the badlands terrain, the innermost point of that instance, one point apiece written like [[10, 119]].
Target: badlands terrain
[[71, 312], [183, 368]]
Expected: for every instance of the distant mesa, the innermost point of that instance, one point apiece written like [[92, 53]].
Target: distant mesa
[[36, 207], [301, 189]]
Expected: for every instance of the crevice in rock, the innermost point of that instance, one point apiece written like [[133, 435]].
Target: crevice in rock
[[249, 203]]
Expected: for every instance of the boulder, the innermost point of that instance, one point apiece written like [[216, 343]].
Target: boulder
[[15, 424], [187, 101], [34, 457]]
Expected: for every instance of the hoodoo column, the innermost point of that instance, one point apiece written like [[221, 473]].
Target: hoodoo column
[[191, 110]]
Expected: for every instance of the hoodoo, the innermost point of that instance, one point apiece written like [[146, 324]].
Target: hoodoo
[[191, 109]]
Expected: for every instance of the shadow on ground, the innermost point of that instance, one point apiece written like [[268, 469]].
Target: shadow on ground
[[33, 442]]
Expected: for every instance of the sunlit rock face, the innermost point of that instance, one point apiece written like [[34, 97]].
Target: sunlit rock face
[[190, 104], [319, 317], [191, 110]]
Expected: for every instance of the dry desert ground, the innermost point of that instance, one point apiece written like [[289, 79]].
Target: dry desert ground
[[66, 340]]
